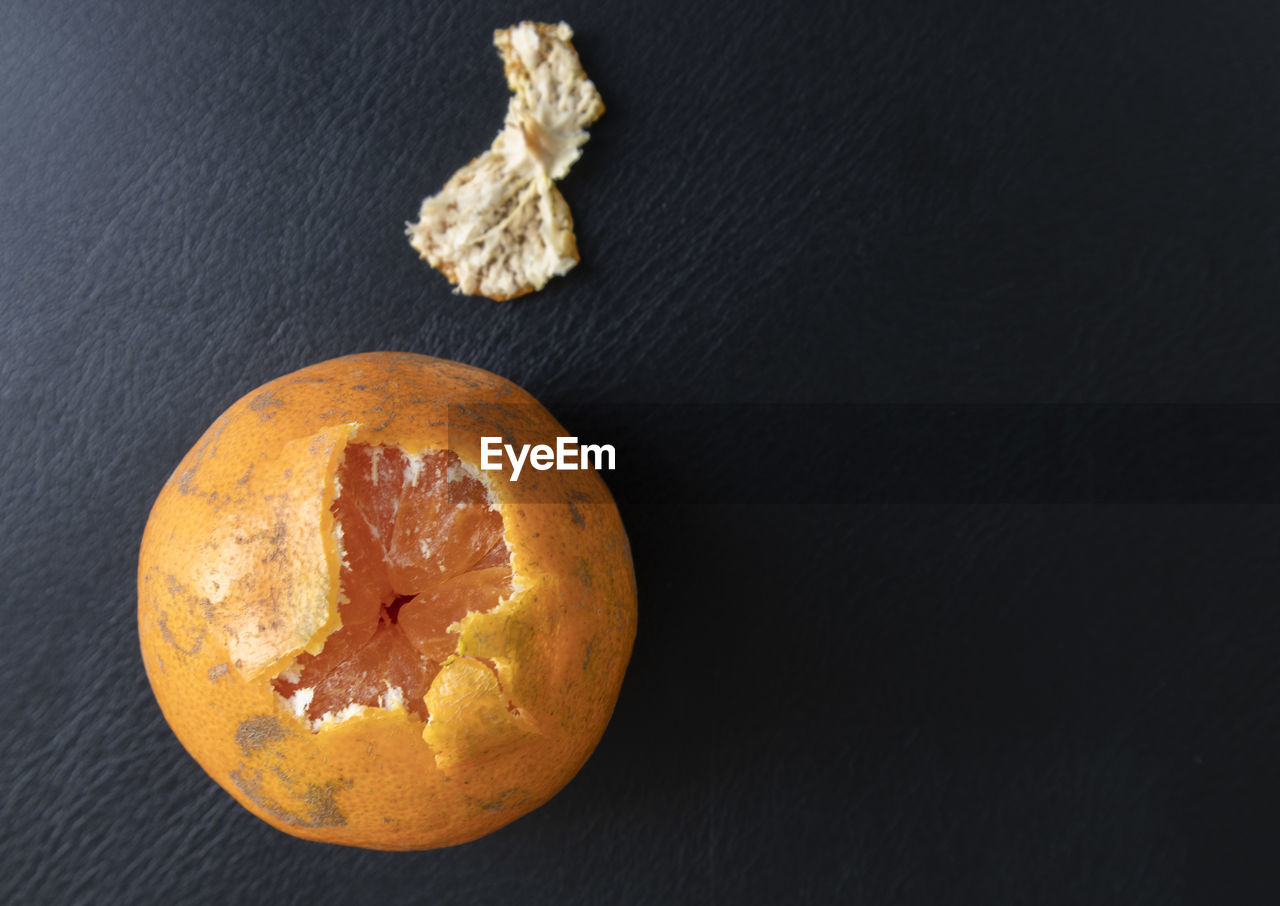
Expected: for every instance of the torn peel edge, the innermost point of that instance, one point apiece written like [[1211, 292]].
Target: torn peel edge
[[472, 726], [472, 718], [331, 538], [492, 664], [393, 700], [297, 701], [247, 658]]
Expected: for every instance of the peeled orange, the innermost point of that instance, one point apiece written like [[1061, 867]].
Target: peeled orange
[[360, 634]]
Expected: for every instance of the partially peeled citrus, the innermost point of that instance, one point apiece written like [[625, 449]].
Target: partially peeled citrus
[[364, 637]]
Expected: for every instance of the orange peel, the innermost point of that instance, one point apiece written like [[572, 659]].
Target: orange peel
[[500, 227]]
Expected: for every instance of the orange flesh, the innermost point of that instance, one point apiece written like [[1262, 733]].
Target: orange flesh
[[421, 549]]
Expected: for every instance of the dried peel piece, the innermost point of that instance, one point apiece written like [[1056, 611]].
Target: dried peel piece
[[499, 227]]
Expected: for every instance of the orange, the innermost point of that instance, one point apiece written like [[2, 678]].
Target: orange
[[364, 637]]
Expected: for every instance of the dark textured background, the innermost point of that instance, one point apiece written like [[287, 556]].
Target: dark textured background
[[840, 202]]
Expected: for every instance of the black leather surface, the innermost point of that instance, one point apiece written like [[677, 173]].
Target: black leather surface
[[827, 202]]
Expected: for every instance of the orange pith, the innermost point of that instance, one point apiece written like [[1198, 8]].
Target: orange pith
[[422, 547]]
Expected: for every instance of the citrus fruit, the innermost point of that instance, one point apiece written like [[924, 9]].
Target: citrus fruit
[[360, 634]]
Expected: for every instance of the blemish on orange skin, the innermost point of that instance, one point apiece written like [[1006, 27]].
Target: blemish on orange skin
[[264, 404], [167, 634], [256, 732], [319, 802]]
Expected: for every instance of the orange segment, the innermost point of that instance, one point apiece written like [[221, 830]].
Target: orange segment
[[421, 548], [415, 545], [368, 676], [426, 618], [443, 529], [363, 581], [371, 479]]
